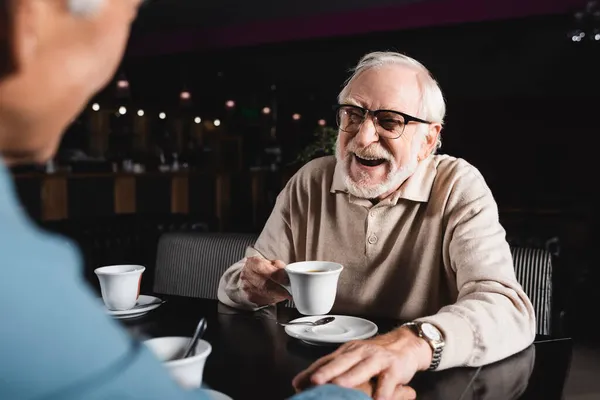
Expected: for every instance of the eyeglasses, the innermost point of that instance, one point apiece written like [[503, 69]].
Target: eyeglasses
[[388, 123]]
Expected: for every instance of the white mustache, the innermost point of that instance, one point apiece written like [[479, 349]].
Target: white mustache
[[371, 152]]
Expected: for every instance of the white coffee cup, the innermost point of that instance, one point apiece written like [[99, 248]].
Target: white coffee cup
[[313, 285], [120, 285], [187, 372]]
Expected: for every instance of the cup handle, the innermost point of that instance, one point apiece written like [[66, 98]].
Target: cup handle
[[288, 287]]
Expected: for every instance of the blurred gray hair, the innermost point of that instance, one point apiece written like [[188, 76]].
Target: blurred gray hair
[[433, 106], [84, 8]]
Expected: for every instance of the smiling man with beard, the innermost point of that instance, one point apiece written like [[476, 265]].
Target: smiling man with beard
[[417, 233]]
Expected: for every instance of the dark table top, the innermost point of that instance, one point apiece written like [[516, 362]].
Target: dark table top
[[253, 357]]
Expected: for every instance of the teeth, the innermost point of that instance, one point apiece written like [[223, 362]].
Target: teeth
[[369, 158]]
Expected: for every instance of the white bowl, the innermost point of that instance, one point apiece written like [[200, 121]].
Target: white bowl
[[187, 372]]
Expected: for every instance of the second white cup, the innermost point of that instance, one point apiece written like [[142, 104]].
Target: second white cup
[[187, 372], [120, 285], [313, 285]]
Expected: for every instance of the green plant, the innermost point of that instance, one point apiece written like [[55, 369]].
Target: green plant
[[323, 144]]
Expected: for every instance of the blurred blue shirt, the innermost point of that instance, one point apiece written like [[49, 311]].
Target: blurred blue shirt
[[55, 340]]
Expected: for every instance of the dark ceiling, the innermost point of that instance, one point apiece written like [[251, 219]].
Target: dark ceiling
[[159, 15], [181, 26]]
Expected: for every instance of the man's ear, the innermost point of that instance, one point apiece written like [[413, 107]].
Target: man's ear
[[430, 140]]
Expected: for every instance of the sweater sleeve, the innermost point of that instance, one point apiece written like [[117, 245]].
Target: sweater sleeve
[[492, 317], [274, 243]]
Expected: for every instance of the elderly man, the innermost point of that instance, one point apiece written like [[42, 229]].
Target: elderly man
[[418, 234], [55, 340]]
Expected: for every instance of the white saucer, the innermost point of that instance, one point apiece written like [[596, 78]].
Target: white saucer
[[341, 330], [214, 395], [144, 305]]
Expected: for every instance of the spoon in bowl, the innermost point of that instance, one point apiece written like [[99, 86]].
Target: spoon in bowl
[[200, 329]]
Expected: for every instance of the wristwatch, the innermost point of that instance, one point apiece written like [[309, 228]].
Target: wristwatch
[[431, 335]]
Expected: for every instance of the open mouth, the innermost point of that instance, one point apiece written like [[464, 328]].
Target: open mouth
[[369, 162]]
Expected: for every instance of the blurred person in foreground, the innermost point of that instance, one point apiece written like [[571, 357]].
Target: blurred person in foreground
[[55, 340], [418, 234]]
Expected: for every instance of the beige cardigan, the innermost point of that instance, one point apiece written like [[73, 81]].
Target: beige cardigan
[[432, 251]]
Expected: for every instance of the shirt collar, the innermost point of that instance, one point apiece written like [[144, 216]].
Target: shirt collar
[[416, 188]]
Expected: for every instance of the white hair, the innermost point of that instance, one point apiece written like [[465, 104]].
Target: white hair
[[432, 107], [84, 8]]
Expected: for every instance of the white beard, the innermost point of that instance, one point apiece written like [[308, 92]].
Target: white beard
[[363, 187]]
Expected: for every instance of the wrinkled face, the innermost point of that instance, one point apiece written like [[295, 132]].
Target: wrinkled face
[[61, 61], [375, 166]]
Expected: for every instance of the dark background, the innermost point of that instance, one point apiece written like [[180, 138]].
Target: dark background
[[521, 94], [523, 99]]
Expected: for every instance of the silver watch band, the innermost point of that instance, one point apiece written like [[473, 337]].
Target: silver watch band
[[436, 347], [436, 359]]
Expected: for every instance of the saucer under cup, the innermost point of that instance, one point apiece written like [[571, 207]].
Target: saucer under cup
[[144, 305], [342, 329]]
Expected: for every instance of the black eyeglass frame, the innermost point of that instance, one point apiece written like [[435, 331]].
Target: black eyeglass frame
[[373, 113]]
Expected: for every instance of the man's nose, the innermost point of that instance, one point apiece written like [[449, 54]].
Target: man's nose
[[367, 133]]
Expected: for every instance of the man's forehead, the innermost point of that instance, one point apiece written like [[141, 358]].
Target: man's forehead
[[385, 88]]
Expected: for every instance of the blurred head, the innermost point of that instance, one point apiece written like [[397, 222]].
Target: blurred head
[[392, 121], [58, 54]]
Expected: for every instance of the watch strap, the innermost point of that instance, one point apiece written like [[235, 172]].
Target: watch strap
[[437, 348]]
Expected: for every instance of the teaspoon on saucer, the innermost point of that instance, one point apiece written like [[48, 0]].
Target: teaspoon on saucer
[[319, 322]]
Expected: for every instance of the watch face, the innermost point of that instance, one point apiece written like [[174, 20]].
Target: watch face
[[431, 332]]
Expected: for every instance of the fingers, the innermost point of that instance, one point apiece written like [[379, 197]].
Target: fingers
[[401, 393], [277, 291], [387, 386], [366, 366], [325, 368], [255, 281], [267, 293], [280, 276], [303, 379], [338, 366], [361, 371], [266, 269], [367, 388], [261, 266]]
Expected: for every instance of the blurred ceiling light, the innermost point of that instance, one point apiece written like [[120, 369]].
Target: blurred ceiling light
[[122, 110], [217, 122], [162, 115], [296, 117], [96, 107]]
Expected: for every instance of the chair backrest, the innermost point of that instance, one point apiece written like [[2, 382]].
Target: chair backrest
[[533, 268], [191, 264]]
